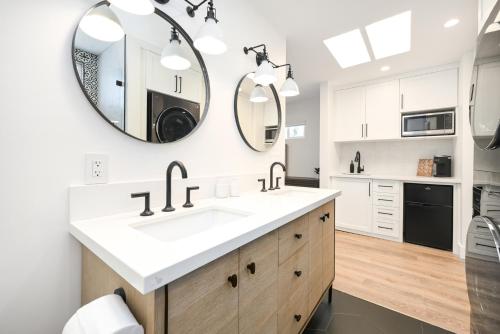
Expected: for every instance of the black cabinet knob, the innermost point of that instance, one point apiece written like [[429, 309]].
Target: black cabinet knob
[[298, 273], [323, 218], [298, 236], [251, 268], [297, 317], [233, 279]]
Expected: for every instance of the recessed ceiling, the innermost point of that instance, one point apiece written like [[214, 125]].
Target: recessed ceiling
[[306, 24]]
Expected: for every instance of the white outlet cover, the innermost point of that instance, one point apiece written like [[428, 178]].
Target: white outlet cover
[[96, 168]]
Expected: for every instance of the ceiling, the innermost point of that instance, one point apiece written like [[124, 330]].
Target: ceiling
[[307, 23]]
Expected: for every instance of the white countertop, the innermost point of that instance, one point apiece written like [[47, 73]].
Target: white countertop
[[416, 179], [148, 263]]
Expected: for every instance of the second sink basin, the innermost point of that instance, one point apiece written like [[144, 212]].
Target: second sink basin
[[186, 224]]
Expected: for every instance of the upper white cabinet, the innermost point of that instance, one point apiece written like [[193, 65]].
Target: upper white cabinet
[[353, 210], [382, 111], [349, 114], [486, 99], [432, 91]]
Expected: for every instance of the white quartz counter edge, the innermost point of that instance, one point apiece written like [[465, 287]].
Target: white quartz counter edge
[[416, 179], [148, 264]]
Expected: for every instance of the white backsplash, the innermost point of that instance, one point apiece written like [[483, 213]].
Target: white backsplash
[[392, 158]]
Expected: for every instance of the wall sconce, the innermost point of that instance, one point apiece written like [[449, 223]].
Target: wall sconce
[[173, 56], [266, 74], [209, 39]]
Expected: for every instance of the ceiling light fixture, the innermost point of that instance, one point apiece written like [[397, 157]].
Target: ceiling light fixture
[[258, 95], [385, 68], [137, 7], [173, 55], [102, 24], [390, 36], [349, 49], [451, 23], [266, 71]]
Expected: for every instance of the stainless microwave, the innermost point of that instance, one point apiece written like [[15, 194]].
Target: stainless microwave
[[439, 123], [271, 133]]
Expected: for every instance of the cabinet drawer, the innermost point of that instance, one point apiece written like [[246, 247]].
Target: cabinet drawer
[[291, 237], [386, 186], [293, 274], [293, 314], [385, 213], [385, 228], [387, 200]]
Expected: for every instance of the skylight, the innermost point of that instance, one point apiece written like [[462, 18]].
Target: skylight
[[349, 49], [390, 36]]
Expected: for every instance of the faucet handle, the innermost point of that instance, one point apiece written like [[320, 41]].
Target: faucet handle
[[188, 203], [147, 211], [278, 183], [263, 185]]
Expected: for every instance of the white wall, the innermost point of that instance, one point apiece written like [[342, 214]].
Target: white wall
[[303, 153], [47, 126]]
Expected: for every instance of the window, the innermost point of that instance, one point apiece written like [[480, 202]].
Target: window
[[295, 131]]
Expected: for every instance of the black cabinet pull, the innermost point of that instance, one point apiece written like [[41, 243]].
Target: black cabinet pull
[[297, 317], [298, 236], [176, 77], [251, 268], [298, 273], [233, 279], [327, 215], [180, 84]]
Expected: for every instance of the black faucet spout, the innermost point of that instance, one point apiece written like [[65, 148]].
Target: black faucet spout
[[168, 207], [271, 182]]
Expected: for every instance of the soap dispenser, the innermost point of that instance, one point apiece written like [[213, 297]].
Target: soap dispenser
[[351, 167]]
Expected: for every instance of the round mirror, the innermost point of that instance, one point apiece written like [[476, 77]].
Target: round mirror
[[141, 73], [484, 106], [258, 114]]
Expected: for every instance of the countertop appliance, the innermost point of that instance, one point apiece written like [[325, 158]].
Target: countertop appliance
[[438, 123], [482, 268], [428, 215], [271, 132], [442, 166], [170, 118]]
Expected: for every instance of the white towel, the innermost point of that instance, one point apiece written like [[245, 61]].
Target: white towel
[[105, 315]]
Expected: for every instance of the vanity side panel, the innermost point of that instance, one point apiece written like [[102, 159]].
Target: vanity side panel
[[315, 257], [203, 301], [99, 280], [329, 245]]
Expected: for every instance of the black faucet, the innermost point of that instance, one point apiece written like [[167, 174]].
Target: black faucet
[[357, 159], [168, 207], [271, 184]]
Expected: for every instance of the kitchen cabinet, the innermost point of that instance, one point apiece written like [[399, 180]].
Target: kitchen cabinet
[[349, 114], [438, 90], [382, 111], [486, 100], [270, 285], [354, 208]]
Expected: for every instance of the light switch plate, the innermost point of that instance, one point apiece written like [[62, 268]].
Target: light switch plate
[[96, 168]]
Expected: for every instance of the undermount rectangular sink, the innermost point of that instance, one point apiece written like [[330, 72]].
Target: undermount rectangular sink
[[187, 224], [290, 192]]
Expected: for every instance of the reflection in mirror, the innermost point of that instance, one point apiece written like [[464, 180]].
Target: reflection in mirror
[[485, 97], [141, 73], [258, 113]]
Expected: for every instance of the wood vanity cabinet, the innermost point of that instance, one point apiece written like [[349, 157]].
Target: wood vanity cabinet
[[271, 285]]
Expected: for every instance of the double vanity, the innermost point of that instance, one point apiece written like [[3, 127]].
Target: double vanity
[[258, 263]]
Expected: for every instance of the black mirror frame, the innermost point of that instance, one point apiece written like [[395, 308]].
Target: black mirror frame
[[240, 130], [186, 37]]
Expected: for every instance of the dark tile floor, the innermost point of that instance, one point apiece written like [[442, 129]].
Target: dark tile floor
[[348, 314]]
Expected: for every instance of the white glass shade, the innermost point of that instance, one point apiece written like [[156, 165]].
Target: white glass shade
[[210, 39], [102, 24], [289, 88], [265, 74], [174, 57], [137, 7], [258, 95]]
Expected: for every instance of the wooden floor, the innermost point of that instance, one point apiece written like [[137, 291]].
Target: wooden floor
[[420, 282]]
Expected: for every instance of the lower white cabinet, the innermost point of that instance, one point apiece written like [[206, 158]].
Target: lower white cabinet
[[369, 206], [354, 207]]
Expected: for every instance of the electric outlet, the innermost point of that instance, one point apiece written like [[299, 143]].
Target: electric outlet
[[96, 168]]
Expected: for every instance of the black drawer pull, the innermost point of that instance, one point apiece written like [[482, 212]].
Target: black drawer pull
[[298, 273], [382, 186], [385, 228], [483, 245], [385, 200], [297, 317], [298, 236], [251, 268], [385, 213], [233, 279]]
